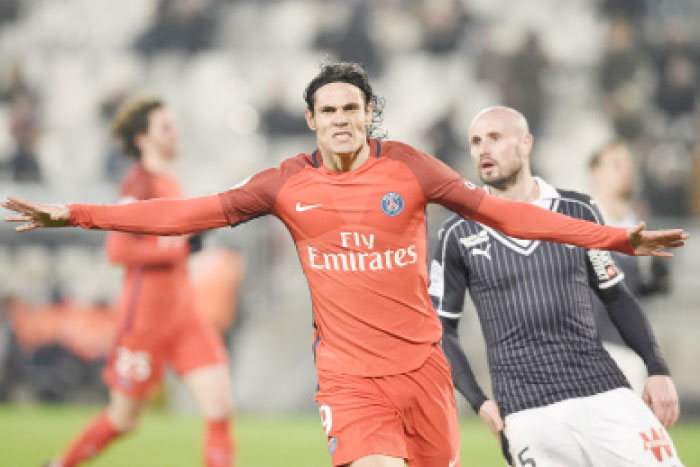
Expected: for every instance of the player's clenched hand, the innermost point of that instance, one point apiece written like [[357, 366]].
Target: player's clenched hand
[[660, 395], [652, 242], [35, 214], [491, 415]]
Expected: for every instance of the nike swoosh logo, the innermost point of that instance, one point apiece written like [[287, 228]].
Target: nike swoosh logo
[[301, 208]]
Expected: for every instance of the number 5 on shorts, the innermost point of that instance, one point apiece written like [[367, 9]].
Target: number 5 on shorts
[[525, 461], [326, 418]]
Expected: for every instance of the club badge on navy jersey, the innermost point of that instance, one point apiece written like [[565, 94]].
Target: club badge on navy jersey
[[392, 204]]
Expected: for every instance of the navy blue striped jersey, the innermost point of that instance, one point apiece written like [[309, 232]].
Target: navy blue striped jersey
[[534, 305]]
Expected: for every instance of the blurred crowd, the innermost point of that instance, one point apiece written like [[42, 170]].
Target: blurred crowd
[[234, 71], [646, 76]]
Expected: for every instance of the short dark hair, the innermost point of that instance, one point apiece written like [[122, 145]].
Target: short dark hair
[[595, 159], [351, 73], [131, 120]]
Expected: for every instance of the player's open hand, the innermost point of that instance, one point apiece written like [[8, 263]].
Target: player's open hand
[[491, 415], [661, 396], [36, 215], [653, 242]]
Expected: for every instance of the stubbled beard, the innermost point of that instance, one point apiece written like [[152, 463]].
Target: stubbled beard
[[503, 182]]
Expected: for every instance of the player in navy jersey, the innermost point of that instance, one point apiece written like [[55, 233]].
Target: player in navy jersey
[[559, 397]]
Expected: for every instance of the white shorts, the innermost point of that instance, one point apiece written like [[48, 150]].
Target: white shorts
[[612, 429], [631, 365]]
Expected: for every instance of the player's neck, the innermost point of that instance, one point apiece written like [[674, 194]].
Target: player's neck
[[345, 162], [156, 163], [524, 188], [615, 208]]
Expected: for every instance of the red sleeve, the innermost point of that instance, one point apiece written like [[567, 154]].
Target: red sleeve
[[527, 221], [444, 186], [132, 249], [253, 197], [440, 183], [155, 216], [257, 195]]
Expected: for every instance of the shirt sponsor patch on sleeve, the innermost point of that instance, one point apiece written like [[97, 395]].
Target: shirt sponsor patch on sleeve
[[604, 267]]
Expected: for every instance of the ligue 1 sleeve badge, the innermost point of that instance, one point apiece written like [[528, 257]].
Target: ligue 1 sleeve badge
[[392, 204]]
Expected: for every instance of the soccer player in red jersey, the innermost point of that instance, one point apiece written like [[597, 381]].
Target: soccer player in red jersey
[[157, 321], [355, 208]]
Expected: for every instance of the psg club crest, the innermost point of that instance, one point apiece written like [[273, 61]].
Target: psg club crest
[[332, 445], [392, 204]]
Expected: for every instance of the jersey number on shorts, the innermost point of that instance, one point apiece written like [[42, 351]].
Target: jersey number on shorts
[[326, 418], [133, 365], [524, 461]]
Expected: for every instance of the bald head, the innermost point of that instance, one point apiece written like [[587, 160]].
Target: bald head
[[500, 144], [505, 115]]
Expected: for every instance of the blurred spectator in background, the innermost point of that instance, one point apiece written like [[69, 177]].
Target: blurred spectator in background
[[9, 11], [677, 86], [622, 97], [666, 168], [446, 144], [277, 119], [676, 59], [444, 25], [353, 42], [633, 11], [25, 130], [695, 184], [13, 83], [524, 90], [179, 25], [9, 358], [612, 174]]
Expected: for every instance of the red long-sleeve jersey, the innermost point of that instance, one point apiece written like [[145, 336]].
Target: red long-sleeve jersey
[[361, 239], [156, 286]]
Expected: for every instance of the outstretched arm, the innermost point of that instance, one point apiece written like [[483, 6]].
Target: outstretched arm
[[155, 217], [527, 221], [444, 186]]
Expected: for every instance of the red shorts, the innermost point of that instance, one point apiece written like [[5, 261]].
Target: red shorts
[[135, 365], [410, 415]]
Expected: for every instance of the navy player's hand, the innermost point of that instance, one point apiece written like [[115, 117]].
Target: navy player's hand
[[653, 242], [36, 215], [490, 413], [661, 396]]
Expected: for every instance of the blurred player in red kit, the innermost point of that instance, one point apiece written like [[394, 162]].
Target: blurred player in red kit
[[157, 320], [355, 208]]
